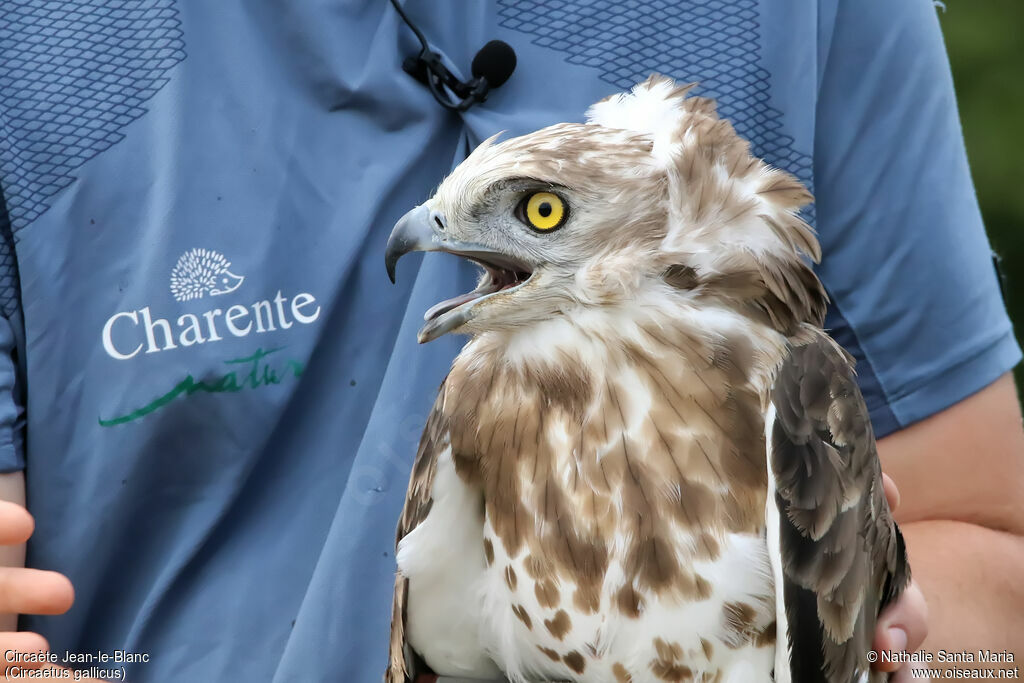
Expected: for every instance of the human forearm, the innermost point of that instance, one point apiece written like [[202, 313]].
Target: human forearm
[[971, 577], [961, 476]]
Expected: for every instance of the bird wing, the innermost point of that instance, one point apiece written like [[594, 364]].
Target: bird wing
[[403, 662], [837, 555]]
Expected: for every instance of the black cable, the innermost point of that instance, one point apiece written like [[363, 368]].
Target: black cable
[[425, 60], [492, 66], [412, 26]]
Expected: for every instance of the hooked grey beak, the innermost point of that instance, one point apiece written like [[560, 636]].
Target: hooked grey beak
[[423, 230], [412, 232]]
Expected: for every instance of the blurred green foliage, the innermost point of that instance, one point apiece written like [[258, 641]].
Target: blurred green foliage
[[986, 51]]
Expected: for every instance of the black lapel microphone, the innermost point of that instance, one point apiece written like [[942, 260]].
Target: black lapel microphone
[[491, 67]]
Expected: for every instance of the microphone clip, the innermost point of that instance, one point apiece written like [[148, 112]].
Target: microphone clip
[[427, 68], [496, 59]]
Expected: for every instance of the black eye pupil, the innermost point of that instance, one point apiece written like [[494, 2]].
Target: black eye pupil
[[544, 209]]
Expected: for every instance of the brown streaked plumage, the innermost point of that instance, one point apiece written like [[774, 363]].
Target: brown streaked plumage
[[551, 654], [523, 616], [594, 497], [559, 625], [574, 660]]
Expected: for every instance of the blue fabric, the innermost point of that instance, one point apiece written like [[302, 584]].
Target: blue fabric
[[894, 194], [224, 392]]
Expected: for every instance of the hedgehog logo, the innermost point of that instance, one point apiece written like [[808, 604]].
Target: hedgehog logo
[[202, 271]]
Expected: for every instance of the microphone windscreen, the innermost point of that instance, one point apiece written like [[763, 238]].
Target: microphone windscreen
[[495, 62]]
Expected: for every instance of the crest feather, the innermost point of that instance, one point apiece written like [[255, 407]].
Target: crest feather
[[734, 220], [655, 107]]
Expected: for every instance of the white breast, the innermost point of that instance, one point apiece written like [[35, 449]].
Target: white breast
[[613, 645], [462, 613], [443, 558]]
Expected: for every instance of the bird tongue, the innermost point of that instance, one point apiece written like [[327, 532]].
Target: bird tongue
[[441, 308], [498, 280]]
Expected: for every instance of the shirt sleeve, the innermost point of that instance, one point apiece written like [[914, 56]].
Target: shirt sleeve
[[906, 260], [12, 425]]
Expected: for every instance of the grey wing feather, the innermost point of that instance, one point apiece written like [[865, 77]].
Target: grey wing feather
[[403, 663], [842, 556]]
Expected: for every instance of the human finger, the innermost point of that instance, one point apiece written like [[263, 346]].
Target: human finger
[[34, 591], [902, 626], [16, 524]]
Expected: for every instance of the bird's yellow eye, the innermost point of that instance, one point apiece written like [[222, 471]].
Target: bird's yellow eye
[[544, 211]]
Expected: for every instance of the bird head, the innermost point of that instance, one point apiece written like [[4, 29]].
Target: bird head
[[653, 195]]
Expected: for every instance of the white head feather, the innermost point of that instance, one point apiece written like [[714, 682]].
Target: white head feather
[[653, 108]]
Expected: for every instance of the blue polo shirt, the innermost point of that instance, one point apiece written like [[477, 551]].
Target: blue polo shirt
[[213, 389]]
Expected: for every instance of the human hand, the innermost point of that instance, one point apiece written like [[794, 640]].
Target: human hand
[[903, 625], [27, 591]]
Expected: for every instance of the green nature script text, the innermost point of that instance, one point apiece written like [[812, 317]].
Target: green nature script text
[[256, 372]]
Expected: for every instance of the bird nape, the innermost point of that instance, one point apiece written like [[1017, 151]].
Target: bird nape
[[649, 462]]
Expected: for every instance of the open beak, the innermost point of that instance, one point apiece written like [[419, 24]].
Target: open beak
[[423, 230]]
